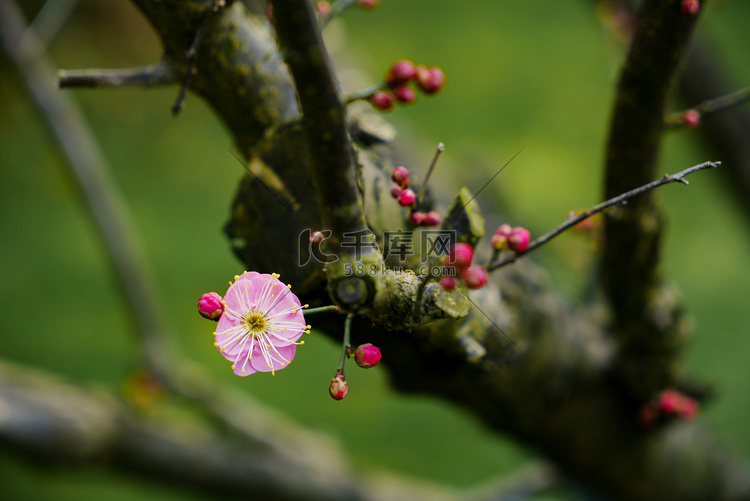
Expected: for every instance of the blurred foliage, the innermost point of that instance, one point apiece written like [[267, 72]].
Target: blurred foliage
[[538, 75]]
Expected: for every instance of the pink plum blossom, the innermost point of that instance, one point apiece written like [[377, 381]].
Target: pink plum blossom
[[261, 325]]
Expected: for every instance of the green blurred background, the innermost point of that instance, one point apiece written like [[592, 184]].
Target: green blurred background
[[531, 74]]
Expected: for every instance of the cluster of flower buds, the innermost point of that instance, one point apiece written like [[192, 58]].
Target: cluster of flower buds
[[211, 306], [366, 356], [407, 198], [690, 8], [515, 239], [429, 80], [459, 259], [666, 405]]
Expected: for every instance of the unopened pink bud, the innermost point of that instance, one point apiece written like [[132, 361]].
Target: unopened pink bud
[[400, 176], [210, 306], [690, 409], [499, 242], [417, 218], [400, 73], [690, 118], [430, 80], [448, 282], [518, 239], [475, 277], [503, 230], [382, 100], [396, 192], [690, 8], [367, 355], [369, 4], [339, 388], [432, 218], [405, 94], [324, 8], [316, 238], [670, 402], [647, 415], [407, 198], [460, 256]]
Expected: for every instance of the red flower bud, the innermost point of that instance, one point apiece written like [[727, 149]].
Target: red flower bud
[[324, 8], [400, 176], [417, 218], [367, 356], [382, 100], [690, 8], [396, 192], [499, 242], [339, 388], [400, 73], [475, 277], [432, 218], [405, 94], [460, 256], [317, 237], [369, 4], [407, 198], [671, 402], [211, 306], [503, 230], [518, 239], [690, 118], [430, 80], [448, 282]]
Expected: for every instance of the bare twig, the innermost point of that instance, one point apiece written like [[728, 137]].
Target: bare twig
[[572, 221], [440, 149], [147, 76], [714, 105], [48, 22]]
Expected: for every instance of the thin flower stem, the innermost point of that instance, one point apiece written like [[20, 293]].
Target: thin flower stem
[[346, 346], [362, 94], [322, 309], [440, 149], [714, 105], [674, 178]]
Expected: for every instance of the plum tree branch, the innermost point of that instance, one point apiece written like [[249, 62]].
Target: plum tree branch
[[572, 221], [630, 273]]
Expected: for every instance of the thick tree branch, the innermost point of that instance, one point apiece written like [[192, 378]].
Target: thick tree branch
[[332, 161], [58, 424], [648, 329]]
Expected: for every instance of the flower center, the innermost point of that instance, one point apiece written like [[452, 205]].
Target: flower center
[[256, 322]]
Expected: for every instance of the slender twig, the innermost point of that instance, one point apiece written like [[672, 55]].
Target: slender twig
[[147, 76], [89, 169], [713, 106], [674, 178], [192, 53], [48, 22], [440, 149]]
